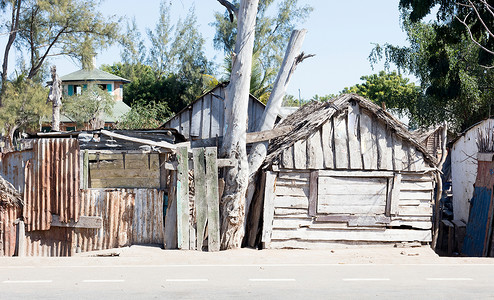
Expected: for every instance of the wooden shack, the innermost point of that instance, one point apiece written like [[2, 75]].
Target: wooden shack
[[203, 121], [348, 173]]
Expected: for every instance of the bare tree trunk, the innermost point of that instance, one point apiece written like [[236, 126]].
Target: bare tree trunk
[[55, 97], [16, 8], [258, 152], [234, 146]]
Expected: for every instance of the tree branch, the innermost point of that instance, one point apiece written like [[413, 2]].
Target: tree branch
[[471, 35], [232, 10]]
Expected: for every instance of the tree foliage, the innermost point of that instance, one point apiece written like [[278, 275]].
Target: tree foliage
[[174, 70], [272, 35], [392, 89], [88, 108], [24, 104], [145, 116], [72, 28], [454, 85]]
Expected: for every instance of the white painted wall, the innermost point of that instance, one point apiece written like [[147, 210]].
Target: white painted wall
[[464, 169]]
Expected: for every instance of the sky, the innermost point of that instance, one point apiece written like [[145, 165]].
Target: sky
[[340, 34]]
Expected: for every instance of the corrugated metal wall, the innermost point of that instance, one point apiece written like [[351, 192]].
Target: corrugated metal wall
[[130, 216], [51, 183], [12, 167], [8, 230]]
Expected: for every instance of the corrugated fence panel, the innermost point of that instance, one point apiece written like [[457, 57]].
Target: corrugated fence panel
[[130, 216], [52, 183], [8, 230], [12, 166], [54, 242]]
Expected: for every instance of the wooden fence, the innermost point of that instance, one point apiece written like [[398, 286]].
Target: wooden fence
[[192, 216]]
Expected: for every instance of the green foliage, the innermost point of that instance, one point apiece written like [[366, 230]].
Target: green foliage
[[323, 98], [272, 35], [71, 28], [175, 71], [145, 116], [454, 87], [24, 104], [389, 88], [88, 107]]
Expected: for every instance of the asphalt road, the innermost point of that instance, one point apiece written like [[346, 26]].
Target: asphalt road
[[115, 278]]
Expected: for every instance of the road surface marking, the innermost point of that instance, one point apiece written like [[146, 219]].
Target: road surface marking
[[450, 279], [186, 280], [271, 279], [366, 279], [27, 281], [103, 280]]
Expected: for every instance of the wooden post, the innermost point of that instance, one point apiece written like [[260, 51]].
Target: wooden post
[[85, 170], [313, 192], [268, 214], [20, 239], [183, 198], [200, 194], [171, 214], [213, 202], [55, 97]]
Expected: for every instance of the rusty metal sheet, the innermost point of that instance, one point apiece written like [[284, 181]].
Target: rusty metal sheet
[[12, 166], [8, 230], [51, 183], [130, 216]]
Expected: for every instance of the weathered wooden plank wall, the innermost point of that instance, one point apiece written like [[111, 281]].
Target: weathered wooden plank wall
[[350, 142], [205, 117], [293, 226]]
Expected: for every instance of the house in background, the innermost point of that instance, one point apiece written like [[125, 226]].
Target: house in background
[[74, 83]]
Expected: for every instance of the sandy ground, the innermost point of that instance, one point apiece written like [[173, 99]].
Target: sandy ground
[[386, 254]]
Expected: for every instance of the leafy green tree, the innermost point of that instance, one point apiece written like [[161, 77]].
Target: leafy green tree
[[176, 70], [272, 35], [454, 86], [324, 98], [88, 108], [49, 28], [145, 116], [391, 89], [24, 104]]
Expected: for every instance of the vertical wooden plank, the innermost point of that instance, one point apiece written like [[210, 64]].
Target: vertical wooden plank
[[368, 145], [200, 194], [315, 158], [395, 195], [382, 147], [389, 145], [213, 201], [85, 170], [327, 144], [251, 120], [313, 190], [171, 214], [183, 198], [195, 119], [20, 239], [288, 158], [206, 117], [341, 142], [412, 158], [185, 123], [175, 123], [300, 154], [216, 111], [419, 161], [397, 153], [268, 214], [354, 136]]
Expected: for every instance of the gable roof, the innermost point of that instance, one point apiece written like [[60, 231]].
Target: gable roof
[[313, 115], [92, 75]]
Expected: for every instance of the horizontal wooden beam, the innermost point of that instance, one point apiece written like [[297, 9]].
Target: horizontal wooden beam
[[344, 173], [222, 162], [161, 144], [261, 136], [84, 222]]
